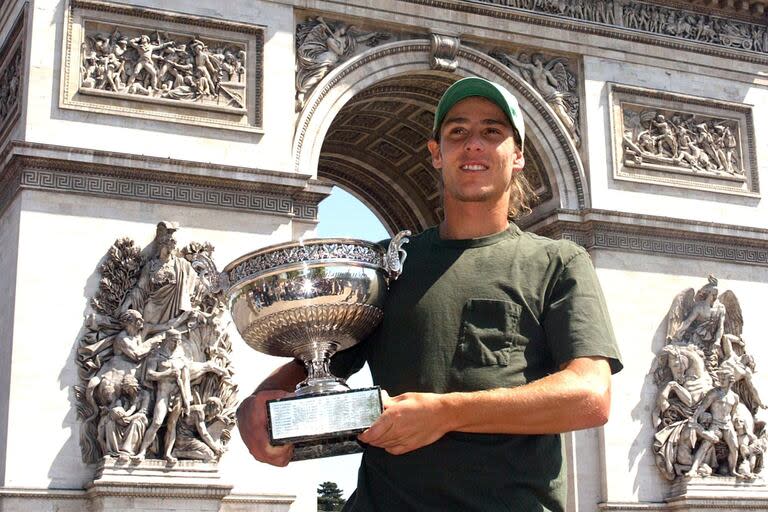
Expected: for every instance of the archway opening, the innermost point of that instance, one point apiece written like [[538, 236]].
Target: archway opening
[[376, 149]]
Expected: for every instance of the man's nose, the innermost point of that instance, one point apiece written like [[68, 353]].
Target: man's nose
[[474, 142]]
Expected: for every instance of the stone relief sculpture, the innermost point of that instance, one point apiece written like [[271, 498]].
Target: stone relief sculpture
[[705, 411], [678, 140], [157, 66], [320, 47], [154, 357], [554, 81], [656, 19], [10, 82]]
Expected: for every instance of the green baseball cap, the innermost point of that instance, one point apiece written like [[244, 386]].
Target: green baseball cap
[[476, 86]]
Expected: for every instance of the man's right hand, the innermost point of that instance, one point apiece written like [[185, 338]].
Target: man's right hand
[[252, 424]]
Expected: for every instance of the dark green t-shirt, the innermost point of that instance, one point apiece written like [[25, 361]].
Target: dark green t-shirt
[[468, 315]]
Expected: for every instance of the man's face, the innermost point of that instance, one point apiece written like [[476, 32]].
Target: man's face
[[477, 152]]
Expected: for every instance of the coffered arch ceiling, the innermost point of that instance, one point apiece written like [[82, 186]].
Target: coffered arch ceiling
[[376, 149]]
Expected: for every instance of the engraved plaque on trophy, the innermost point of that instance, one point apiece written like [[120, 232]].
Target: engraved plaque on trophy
[[308, 300]]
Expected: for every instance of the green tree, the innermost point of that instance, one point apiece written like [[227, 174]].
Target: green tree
[[329, 497]]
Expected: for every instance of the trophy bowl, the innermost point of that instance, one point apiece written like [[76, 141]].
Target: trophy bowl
[[308, 300]]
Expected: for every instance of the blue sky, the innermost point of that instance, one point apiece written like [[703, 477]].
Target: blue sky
[[343, 215]]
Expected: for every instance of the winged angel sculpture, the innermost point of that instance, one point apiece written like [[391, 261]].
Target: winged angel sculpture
[[154, 357], [705, 411], [552, 79], [321, 47]]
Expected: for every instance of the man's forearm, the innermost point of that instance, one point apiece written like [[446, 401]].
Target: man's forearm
[[574, 398], [285, 378]]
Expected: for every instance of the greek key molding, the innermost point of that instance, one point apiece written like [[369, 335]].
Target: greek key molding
[[97, 75], [295, 197], [598, 229], [177, 193], [611, 24], [681, 141]]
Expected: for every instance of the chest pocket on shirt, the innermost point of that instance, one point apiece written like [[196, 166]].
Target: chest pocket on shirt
[[489, 333]]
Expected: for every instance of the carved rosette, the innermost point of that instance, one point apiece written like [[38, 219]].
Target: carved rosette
[[154, 356], [705, 409]]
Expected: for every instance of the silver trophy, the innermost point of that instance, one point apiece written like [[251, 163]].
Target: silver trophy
[[308, 300]]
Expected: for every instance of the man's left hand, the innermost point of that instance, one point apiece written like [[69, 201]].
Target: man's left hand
[[409, 421]]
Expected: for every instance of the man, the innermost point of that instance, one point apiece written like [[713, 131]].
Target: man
[[722, 403], [493, 340]]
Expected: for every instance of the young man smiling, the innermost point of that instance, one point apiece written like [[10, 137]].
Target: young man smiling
[[493, 341]]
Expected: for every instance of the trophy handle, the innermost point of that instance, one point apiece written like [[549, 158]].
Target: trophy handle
[[395, 256]]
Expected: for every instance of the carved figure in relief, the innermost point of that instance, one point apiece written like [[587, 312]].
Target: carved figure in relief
[[320, 48], [173, 372], [665, 140], [721, 402], [129, 347], [145, 61], [157, 336], [704, 323], [555, 84], [156, 66], [680, 140], [13, 78], [656, 19], [127, 420], [704, 430], [192, 436]]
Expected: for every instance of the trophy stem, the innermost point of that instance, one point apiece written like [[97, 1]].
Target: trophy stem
[[319, 377]]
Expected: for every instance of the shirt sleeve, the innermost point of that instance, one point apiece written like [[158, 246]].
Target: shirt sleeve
[[576, 320]]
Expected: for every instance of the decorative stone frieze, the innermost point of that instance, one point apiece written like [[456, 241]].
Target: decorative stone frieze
[[321, 46], [155, 354], [122, 60], [11, 76], [150, 66], [704, 413], [682, 141], [555, 79], [666, 26]]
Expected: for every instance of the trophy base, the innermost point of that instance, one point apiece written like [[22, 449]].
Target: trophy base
[[323, 425], [322, 448]]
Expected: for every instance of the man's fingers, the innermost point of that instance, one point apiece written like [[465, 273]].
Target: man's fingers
[[377, 430], [252, 425]]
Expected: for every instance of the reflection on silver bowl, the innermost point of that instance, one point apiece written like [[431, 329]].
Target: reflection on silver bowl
[[309, 299]]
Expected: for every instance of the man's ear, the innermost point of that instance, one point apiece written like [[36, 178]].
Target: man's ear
[[519, 161], [434, 149]]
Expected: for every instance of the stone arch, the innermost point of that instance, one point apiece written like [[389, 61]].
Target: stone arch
[[547, 142]]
